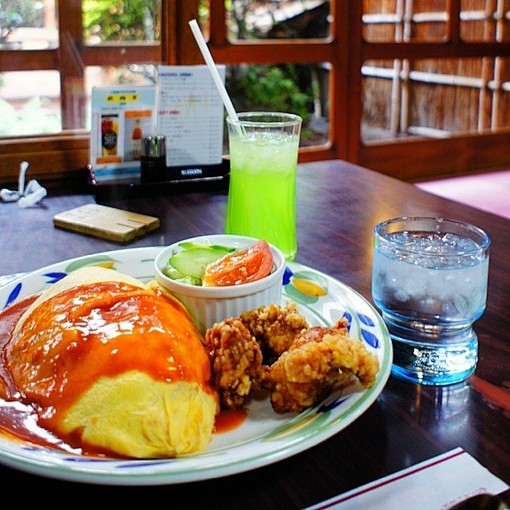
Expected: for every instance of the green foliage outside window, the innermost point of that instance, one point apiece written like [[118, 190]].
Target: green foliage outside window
[[252, 87], [269, 88], [121, 20]]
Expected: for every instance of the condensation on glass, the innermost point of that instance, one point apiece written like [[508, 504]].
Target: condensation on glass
[[469, 95]]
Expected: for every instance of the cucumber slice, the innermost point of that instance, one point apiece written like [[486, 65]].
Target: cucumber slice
[[188, 245], [189, 280], [193, 261], [171, 272]]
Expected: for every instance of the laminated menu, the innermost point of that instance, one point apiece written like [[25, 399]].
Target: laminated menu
[[121, 116], [190, 115], [184, 106]]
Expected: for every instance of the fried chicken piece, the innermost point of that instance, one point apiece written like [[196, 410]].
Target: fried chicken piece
[[274, 327], [318, 361], [236, 361], [307, 363]]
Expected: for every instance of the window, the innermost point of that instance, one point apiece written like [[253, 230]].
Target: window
[[51, 58], [435, 86], [46, 86], [278, 80], [279, 55], [388, 84], [469, 94]]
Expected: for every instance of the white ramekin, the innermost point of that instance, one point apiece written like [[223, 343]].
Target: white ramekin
[[209, 305]]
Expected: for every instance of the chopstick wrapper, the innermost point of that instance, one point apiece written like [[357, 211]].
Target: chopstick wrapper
[[437, 483]]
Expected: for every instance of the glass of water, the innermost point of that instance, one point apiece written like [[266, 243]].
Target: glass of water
[[429, 279]]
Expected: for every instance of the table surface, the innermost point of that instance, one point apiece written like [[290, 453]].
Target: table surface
[[338, 205]]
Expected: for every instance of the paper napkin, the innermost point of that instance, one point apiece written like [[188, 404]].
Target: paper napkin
[[435, 484]]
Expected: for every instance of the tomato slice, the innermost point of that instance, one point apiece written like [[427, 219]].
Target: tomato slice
[[241, 266]]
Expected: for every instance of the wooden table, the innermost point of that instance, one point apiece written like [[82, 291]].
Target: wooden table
[[338, 205]]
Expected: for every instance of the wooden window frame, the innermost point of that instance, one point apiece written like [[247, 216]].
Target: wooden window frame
[[422, 159], [62, 155], [65, 155]]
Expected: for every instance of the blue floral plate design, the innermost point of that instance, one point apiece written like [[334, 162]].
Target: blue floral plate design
[[265, 437]]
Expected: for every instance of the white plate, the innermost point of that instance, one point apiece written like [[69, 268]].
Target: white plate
[[265, 437]]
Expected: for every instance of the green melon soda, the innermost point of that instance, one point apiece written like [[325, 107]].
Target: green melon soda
[[262, 192]]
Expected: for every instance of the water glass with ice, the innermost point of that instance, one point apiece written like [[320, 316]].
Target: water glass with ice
[[429, 279]]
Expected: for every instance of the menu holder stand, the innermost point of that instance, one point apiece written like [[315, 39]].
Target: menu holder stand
[[184, 110], [175, 180]]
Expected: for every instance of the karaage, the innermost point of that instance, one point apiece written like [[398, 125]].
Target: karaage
[[274, 348], [274, 327], [317, 362], [236, 361]]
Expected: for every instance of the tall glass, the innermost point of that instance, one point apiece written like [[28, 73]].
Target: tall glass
[[429, 279], [262, 190]]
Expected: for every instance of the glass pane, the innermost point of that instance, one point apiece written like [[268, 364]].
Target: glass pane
[[30, 103], [299, 89], [28, 24], [500, 93], [121, 21], [435, 98], [483, 21], [204, 17], [96, 76], [404, 20], [30, 100], [277, 19], [380, 112]]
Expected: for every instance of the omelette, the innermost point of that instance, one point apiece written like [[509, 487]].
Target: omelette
[[113, 365]]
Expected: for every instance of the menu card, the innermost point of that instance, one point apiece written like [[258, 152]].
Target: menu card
[[184, 106], [190, 115], [121, 117]]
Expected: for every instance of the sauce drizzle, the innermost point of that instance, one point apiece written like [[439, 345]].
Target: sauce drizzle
[[20, 421]]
